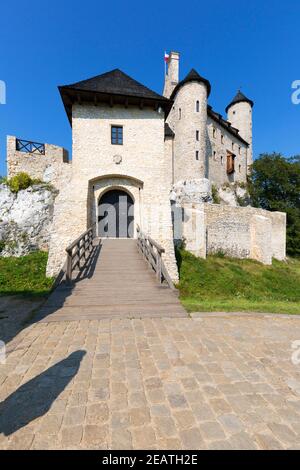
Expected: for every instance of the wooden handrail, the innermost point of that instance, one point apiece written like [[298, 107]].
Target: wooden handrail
[[83, 246], [152, 252]]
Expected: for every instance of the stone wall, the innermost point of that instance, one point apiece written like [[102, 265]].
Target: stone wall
[[217, 155], [240, 116], [239, 232], [48, 167], [246, 232], [185, 121], [142, 167]]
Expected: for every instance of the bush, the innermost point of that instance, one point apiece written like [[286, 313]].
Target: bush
[[20, 181], [215, 195]]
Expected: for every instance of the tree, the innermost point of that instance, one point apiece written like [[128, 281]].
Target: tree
[[274, 184]]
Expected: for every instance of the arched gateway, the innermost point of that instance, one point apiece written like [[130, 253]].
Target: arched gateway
[[116, 215]]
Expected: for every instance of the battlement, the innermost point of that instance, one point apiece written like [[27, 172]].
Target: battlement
[[43, 161]]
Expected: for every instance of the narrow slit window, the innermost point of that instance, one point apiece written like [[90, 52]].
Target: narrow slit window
[[117, 135], [197, 135], [197, 155], [179, 113], [197, 106]]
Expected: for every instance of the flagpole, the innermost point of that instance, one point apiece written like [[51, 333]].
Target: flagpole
[[165, 63]]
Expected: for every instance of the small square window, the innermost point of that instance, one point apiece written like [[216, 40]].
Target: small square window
[[117, 135]]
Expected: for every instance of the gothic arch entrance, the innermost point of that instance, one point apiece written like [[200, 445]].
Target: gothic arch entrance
[[116, 215]]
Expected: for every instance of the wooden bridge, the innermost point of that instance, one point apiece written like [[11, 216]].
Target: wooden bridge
[[113, 278]]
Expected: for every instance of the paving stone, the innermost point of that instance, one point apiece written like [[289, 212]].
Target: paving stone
[[97, 413], [191, 439], [268, 442], [143, 437], [159, 410], [51, 424], [121, 439], [95, 436], [71, 435], [184, 419], [139, 416], [211, 430], [242, 441], [154, 383], [164, 427], [177, 401], [74, 415], [283, 432], [231, 423]]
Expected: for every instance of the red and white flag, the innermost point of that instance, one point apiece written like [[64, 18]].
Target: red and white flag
[[167, 56]]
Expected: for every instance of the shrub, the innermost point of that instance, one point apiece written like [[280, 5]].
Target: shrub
[[215, 195], [20, 181]]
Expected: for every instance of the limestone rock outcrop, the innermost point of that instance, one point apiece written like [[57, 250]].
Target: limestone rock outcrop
[[25, 219], [189, 191]]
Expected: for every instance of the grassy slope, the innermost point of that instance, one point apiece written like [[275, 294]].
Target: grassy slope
[[225, 284], [25, 275]]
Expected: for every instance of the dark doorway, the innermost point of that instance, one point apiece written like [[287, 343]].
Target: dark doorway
[[116, 215]]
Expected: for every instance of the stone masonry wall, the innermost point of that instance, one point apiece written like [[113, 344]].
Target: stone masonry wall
[[246, 232], [49, 167], [240, 116], [217, 155], [239, 232], [184, 120], [141, 157]]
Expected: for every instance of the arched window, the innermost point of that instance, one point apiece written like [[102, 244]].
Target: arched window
[[197, 106]]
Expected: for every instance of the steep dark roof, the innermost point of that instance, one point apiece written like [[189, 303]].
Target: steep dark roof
[[114, 87], [225, 124], [192, 76], [239, 98], [168, 131]]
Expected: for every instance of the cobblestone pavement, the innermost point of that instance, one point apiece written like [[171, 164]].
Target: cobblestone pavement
[[212, 382]]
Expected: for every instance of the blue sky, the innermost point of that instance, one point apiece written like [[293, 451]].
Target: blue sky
[[254, 45]]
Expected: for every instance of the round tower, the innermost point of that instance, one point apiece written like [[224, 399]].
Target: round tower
[[189, 121], [239, 113]]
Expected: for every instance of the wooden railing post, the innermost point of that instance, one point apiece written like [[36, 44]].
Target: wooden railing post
[[69, 267], [158, 267], [83, 247]]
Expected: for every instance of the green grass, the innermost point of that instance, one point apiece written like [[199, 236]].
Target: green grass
[[25, 275], [225, 284]]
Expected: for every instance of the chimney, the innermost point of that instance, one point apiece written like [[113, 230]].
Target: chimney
[[172, 74]]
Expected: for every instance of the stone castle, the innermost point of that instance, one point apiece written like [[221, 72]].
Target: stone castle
[[161, 154]]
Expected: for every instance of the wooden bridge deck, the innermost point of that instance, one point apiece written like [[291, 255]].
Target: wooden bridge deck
[[117, 283]]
